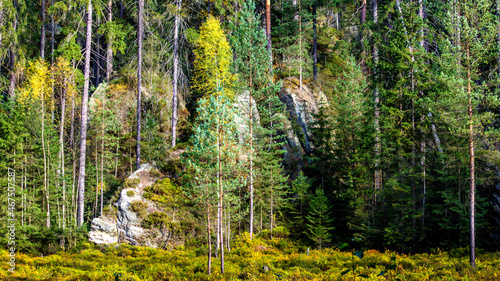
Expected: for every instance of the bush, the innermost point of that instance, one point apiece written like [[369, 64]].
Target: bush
[[154, 173], [155, 220], [131, 183], [139, 207], [130, 193]]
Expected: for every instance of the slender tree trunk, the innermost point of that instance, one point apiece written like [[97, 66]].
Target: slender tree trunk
[[139, 84], [251, 160], [42, 32], [176, 72], [61, 151], [315, 44], [376, 97], [45, 185], [12, 82], [220, 195], [109, 50], [1, 22], [102, 155], [268, 33], [209, 238], [52, 32], [300, 48], [472, 170], [83, 124]]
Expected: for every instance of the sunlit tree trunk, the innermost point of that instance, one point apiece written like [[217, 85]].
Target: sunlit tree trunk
[[109, 50], [176, 71], [139, 83], [42, 32], [83, 124]]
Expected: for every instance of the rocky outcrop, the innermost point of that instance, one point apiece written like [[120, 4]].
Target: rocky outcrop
[[242, 104], [300, 106], [126, 226]]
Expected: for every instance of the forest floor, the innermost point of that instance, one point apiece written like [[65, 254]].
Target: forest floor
[[258, 259]]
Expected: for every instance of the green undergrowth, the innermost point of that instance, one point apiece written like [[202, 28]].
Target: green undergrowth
[[258, 259]]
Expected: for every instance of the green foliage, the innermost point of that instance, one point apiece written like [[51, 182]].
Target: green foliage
[[318, 220], [131, 183], [139, 207], [156, 220], [257, 259]]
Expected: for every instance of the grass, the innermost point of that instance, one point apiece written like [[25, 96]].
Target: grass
[[260, 259]]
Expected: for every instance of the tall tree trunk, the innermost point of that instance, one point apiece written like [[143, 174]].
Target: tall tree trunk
[[12, 82], [472, 169], [61, 151], [83, 124], [209, 238], [251, 160], [221, 194], [45, 185], [268, 33], [376, 97], [315, 44], [52, 32], [176, 71], [109, 50], [300, 48], [102, 154], [42, 32], [139, 83]]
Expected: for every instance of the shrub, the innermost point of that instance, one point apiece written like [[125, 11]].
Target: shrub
[[154, 173], [155, 220], [131, 183], [139, 207], [130, 193]]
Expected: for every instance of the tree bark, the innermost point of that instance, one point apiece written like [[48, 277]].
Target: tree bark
[[12, 82], [315, 44], [472, 170], [109, 50], [61, 152], [268, 33], [42, 32], [139, 84], [376, 97], [45, 185], [251, 160], [176, 72], [83, 124]]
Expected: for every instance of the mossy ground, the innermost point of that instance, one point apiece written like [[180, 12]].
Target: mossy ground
[[260, 259]]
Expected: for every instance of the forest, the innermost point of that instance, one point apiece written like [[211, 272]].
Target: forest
[[250, 140]]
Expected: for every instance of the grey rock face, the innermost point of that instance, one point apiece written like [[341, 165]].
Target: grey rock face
[[300, 106], [126, 227]]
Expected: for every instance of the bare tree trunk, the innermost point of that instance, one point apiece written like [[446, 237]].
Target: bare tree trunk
[[176, 72], [83, 125], [61, 151], [109, 50], [251, 159], [139, 84], [102, 155], [209, 238], [45, 185], [376, 97], [315, 44], [300, 48], [42, 32], [220, 196], [472, 170], [268, 33]]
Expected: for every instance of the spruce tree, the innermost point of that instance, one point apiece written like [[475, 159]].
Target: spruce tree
[[318, 219]]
